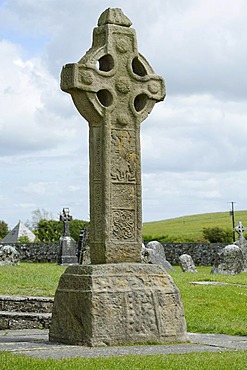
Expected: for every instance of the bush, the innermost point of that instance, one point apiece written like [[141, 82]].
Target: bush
[[217, 235], [3, 229]]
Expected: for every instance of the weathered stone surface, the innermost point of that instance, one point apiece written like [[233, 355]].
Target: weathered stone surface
[[154, 253], [242, 242], [114, 88], [228, 261], [115, 300], [9, 255], [113, 304], [67, 251], [186, 263]]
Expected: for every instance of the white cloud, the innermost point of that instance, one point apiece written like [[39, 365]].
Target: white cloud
[[193, 143]]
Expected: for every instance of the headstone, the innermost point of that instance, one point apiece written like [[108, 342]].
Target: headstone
[[186, 263], [242, 242], [154, 253], [9, 255], [67, 246], [116, 299], [229, 261]]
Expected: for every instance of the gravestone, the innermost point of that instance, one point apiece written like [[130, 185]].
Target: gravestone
[[116, 299], [242, 242], [154, 253], [229, 261], [67, 246], [186, 263]]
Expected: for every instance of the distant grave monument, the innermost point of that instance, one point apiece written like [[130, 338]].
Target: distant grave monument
[[186, 263], [154, 253], [228, 261], [116, 299], [67, 245], [242, 242]]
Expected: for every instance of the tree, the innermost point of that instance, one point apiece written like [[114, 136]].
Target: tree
[[217, 235], [38, 215], [49, 231], [3, 229], [24, 239]]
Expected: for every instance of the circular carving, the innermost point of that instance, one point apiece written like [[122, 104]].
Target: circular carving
[[87, 77], [122, 46], [123, 85], [123, 119], [153, 87]]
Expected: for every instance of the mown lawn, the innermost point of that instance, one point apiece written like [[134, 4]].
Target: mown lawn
[[191, 361], [213, 308], [208, 309]]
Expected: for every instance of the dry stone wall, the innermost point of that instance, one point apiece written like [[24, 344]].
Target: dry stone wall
[[202, 254], [37, 252]]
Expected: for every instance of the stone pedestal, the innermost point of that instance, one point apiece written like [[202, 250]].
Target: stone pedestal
[[67, 251], [116, 304]]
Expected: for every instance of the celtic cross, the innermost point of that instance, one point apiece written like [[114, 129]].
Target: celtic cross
[[114, 88], [240, 229]]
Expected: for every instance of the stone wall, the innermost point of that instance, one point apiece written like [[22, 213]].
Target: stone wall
[[202, 254], [36, 252]]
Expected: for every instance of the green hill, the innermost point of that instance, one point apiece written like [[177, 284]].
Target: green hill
[[190, 227]]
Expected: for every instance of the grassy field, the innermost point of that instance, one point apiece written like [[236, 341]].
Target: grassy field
[[191, 361], [193, 225], [208, 309]]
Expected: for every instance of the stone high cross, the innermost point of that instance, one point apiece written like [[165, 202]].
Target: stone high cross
[[114, 88]]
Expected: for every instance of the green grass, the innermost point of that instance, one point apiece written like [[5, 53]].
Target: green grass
[[38, 279], [191, 361], [208, 309], [192, 225], [213, 308]]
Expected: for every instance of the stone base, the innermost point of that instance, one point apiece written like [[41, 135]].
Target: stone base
[[114, 304], [68, 260], [67, 251]]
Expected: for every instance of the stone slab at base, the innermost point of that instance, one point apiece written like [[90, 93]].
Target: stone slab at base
[[113, 304], [67, 251]]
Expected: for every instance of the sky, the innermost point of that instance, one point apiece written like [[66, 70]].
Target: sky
[[193, 144]]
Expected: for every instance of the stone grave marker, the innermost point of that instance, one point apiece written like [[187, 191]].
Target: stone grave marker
[[67, 246], [186, 263], [116, 299], [228, 261], [242, 242]]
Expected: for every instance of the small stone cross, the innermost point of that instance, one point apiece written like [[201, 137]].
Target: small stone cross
[[240, 229], [114, 88], [66, 218]]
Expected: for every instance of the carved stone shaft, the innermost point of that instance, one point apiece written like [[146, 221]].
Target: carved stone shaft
[[114, 88]]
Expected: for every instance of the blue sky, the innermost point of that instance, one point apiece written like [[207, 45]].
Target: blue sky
[[193, 144]]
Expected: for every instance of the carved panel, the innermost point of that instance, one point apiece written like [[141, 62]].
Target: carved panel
[[123, 156], [123, 196], [123, 225]]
